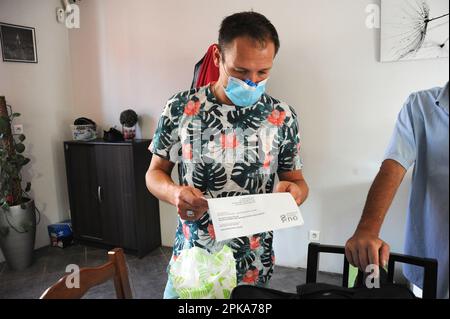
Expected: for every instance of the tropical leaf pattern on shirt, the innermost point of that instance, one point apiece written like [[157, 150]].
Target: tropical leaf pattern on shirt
[[163, 138], [231, 194], [244, 256], [211, 118], [249, 117], [195, 110]]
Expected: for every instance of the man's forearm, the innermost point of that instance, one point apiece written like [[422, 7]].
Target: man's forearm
[[380, 196], [161, 185]]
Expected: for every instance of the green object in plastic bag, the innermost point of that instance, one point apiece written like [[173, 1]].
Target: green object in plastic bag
[[197, 274]]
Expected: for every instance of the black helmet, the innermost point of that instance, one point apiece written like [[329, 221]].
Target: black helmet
[[84, 121]]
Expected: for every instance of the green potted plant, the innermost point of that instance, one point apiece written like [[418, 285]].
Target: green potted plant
[[128, 119], [17, 209]]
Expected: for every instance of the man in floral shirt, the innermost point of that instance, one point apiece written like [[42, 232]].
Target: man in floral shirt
[[229, 138]]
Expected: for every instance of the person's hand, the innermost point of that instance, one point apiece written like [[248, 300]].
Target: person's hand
[[290, 187], [365, 248], [190, 202]]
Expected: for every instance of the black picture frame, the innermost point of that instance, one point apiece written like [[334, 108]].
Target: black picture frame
[[18, 43]]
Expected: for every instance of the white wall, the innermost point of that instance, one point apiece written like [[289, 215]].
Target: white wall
[[348, 102], [42, 94]]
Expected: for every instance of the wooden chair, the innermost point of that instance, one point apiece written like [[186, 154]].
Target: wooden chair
[[115, 269]]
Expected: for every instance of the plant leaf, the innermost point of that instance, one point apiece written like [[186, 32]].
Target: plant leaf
[[21, 137], [28, 187], [20, 148], [4, 123], [25, 161]]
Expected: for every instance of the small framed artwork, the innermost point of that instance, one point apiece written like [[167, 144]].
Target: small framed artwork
[[18, 43]]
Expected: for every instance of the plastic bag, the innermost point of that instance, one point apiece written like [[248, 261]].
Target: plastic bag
[[197, 274]]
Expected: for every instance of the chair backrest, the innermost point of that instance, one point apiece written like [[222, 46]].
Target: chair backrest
[[115, 269], [429, 265]]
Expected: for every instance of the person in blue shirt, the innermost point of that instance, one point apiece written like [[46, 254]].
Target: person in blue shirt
[[420, 139]]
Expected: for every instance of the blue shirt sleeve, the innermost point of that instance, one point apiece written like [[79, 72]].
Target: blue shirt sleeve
[[402, 146]]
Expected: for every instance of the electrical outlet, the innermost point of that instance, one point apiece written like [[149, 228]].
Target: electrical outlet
[[18, 129], [314, 235]]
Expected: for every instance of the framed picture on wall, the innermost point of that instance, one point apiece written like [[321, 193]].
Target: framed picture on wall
[[18, 43], [413, 29]]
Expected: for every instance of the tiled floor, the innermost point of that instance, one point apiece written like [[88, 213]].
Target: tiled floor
[[147, 275]]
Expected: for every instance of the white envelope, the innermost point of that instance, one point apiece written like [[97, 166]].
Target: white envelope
[[246, 215]]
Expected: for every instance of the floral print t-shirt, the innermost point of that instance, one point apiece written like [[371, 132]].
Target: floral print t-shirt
[[225, 150]]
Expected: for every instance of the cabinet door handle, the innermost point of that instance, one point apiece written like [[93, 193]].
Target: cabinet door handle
[[99, 194]]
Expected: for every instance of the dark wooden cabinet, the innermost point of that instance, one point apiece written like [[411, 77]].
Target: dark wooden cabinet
[[109, 201]]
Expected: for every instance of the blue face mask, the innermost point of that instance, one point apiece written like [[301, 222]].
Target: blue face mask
[[244, 93]]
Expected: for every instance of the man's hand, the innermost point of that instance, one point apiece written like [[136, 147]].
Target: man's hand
[[185, 198], [292, 188], [365, 248], [189, 200]]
